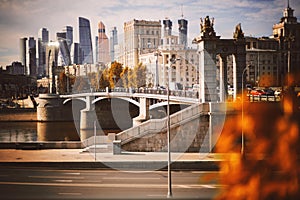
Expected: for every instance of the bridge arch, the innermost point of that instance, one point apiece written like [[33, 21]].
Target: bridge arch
[[123, 98], [164, 103], [70, 99]]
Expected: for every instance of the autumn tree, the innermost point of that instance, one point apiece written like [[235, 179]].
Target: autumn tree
[[115, 71], [62, 83], [65, 81], [139, 75], [104, 79], [82, 84], [125, 75]]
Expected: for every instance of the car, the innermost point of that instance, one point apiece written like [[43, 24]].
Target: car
[[269, 92], [277, 93], [257, 92]]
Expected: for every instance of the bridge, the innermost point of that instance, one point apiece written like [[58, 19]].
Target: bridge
[[194, 118]]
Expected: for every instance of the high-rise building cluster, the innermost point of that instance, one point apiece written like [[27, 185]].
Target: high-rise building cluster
[[168, 57]]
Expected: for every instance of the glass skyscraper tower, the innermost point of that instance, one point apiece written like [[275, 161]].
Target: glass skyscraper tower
[[85, 40], [43, 39]]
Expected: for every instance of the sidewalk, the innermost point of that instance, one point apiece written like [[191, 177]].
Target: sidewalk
[[76, 158]]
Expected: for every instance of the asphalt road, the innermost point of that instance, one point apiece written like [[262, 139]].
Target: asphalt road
[[51, 183]]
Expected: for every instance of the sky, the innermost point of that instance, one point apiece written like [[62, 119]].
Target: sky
[[24, 18]]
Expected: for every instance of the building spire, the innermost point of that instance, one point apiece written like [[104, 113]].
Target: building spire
[[182, 11], [288, 3]]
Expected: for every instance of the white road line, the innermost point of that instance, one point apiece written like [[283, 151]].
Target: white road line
[[73, 173], [58, 177], [116, 185], [70, 193], [64, 181], [129, 178]]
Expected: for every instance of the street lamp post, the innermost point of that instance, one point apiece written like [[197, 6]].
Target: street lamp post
[[169, 133], [243, 139], [157, 53], [289, 39], [169, 146]]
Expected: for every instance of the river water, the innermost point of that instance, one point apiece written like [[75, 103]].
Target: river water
[[39, 131]]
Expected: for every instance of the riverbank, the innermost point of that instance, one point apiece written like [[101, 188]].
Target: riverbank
[[18, 115], [41, 145]]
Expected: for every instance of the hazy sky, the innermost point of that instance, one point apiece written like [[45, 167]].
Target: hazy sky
[[23, 18]]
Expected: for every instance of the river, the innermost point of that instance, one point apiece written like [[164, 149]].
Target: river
[[39, 131]]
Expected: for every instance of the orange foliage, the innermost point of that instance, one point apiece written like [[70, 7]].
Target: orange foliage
[[270, 167]]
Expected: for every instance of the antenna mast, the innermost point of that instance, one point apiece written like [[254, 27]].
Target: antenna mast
[[182, 11]]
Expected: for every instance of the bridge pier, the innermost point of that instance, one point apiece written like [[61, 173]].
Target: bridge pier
[[87, 118], [144, 112]]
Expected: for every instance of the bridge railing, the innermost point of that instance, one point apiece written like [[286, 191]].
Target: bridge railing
[[157, 91], [160, 125]]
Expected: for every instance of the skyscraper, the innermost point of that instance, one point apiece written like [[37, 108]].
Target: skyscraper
[[32, 56], [69, 35], [113, 40], [85, 40], [103, 44], [167, 27], [96, 49], [23, 49], [182, 28], [43, 39], [76, 54], [64, 50]]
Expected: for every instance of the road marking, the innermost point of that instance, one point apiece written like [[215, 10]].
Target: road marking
[[129, 178], [73, 173], [58, 177], [125, 185], [70, 193], [64, 181]]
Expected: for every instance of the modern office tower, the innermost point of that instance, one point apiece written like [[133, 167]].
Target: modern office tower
[[43, 39], [76, 54], [64, 58], [167, 27], [140, 36], [23, 50], [182, 28], [69, 35], [85, 40], [287, 33], [52, 50], [103, 44], [96, 49], [32, 56], [113, 40]]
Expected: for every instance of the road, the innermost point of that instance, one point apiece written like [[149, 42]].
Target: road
[[51, 183]]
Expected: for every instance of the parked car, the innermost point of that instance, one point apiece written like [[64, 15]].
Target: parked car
[[269, 92], [257, 92], [277, 93]]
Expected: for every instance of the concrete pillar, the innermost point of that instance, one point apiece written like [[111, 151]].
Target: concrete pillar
[[87, 118], [117, 147], [207, 64], [144, 112], [223, 78], [239, 64]]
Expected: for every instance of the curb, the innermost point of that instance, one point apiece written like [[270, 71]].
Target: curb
[[125, 165]]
